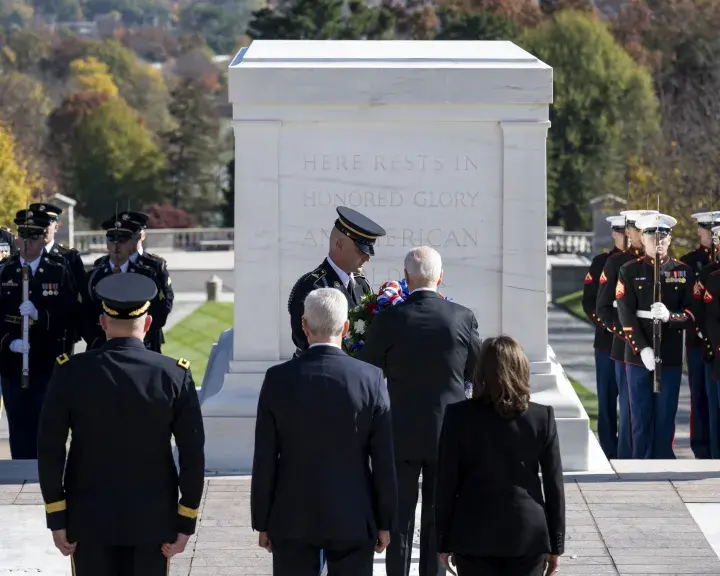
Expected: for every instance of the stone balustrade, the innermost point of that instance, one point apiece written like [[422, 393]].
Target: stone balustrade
[[195, 239]]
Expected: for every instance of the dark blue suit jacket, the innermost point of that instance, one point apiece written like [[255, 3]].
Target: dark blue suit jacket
[[324, 466]]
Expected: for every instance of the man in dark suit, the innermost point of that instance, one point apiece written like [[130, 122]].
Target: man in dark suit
[[427, 347], [323, 472]]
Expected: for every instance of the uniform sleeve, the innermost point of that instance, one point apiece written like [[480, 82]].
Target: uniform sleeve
[[163, 303], [4, 326], [712, 311], [553, 487], [606, 295], [265, 459], [627, 312], [296, 307], [382, 456], [52, 437], [190, 441], [698, 305], [448, 472], [590, 291]]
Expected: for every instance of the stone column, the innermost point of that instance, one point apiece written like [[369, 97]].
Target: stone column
[[524, 278]]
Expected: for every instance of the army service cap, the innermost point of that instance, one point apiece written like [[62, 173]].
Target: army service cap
[[632, 216], [53, 212], [120, 228], [141, 218], [31, 223], [363, 231], [655, 223], [126, 296], [617, 223]]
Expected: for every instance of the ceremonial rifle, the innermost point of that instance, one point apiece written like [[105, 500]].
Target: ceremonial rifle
[[25, 377], [657, 297]]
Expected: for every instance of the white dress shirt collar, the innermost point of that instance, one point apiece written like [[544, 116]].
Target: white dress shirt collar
[[344, 276], [424, 289], [123, 268], [49, 246], [325, 344], [33, 265]]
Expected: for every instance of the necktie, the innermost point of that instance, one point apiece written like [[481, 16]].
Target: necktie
[[116, 270], [351, 288]]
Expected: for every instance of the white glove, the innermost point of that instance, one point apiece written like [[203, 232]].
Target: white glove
[[648, 357], [28, 309], [659, 311], [17, 346]]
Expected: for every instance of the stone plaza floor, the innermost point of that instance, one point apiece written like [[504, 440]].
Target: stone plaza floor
[[649, 518]]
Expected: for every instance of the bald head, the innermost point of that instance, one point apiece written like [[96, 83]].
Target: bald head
[[423, 268]]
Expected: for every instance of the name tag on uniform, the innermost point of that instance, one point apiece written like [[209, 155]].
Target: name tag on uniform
[[50, 289], [10, 284]]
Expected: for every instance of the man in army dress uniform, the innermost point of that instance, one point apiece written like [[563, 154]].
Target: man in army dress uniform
[[166, 295], [121, 235], [604, 365], [653, 414], [51, 299], [703, 425], [114, 508], [607, 311], [7, 243], [74, 262], [352, 243]]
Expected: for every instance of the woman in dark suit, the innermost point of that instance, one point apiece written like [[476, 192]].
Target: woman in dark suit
[[490, 516]]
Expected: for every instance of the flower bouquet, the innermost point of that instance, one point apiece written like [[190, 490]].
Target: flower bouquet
[[361, 316]]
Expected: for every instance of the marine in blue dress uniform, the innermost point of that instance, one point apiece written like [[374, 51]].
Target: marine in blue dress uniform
[[653, 414], [607, 311], [604, 365], [703, 421]]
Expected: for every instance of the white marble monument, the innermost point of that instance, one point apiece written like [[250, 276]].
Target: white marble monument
[[443, 144]]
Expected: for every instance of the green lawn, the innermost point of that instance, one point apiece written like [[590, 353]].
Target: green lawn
[[193, 337], [573, 304], [589, 402]]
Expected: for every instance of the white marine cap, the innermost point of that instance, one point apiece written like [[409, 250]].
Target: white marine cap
[[653, 222], [705, 218], [634, 215], [616, 221]]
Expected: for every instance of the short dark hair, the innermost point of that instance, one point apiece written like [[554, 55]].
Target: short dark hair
[[502, 376]]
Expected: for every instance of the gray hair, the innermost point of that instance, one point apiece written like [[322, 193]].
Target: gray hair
[[326, 310], [424, 263]]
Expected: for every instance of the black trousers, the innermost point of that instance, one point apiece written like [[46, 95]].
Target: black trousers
[[299, 558], [23, 407], [102, 560], [486, 566], [399, 553]]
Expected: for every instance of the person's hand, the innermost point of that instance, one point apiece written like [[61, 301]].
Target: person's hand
[[28, 309], [264, 542], [169, 549], [552, 564], [446, 560], [18, 347], [648, 358], [61, 543], [659, 311], [383, 540]]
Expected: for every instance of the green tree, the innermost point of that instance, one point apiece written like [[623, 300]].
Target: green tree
[[16, 182], [113, 160], [462, 25], [192, 145], [603, 112]]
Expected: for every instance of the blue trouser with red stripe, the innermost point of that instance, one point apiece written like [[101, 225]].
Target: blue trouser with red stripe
[[607, 392], [653, 415], [624, 446], [699, 413], [713, 396]]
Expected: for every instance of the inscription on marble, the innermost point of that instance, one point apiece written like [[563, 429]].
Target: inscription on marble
[[393, 198], [406, 238], [389, 163]]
